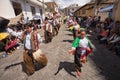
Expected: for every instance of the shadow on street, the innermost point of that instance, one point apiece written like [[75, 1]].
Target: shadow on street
[[37, 66], [69, 34], [67, 66], [70, 41], [107, 62]]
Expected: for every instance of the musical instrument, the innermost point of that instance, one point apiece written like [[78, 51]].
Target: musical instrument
[[40, 58]]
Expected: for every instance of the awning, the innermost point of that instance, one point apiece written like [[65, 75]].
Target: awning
[[107, 8], [3, 22], [38, 3], [3, 35], [15, 20]]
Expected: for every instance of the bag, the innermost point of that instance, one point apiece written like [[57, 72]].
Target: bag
[[40, 58]]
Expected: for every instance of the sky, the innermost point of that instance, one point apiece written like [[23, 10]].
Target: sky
[[65, 3]]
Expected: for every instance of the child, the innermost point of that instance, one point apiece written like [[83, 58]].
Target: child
[[80, 47]]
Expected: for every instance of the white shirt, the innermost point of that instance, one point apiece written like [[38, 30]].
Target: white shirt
[[71, 22], [83, 43], [14, 33], [27, 42], [47, 25], [76, 27], [19, 35], [39, 38], [28, 39], [9, 30]]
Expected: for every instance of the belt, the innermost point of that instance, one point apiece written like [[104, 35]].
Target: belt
[[80, 48]]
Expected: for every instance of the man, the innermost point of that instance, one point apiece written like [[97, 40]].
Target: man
[[55, 26], [48, 31], [31, 40], [27, 20]]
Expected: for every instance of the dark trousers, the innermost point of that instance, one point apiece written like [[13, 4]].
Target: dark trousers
[[117, 50], [58, 26], [48, 36], [74, 34], [56, 30], [77, 59]]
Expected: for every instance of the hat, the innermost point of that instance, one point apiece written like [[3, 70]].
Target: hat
[[46, 18]]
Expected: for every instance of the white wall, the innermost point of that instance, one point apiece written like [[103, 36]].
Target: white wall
[[6, 9], [103, 15], [26, 8]]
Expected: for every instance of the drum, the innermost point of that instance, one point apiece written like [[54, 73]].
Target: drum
[[40, 58]]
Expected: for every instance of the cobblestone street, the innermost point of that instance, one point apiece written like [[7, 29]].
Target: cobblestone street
[[102, 65]]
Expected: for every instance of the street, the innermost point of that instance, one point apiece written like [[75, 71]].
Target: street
[[101, 65]]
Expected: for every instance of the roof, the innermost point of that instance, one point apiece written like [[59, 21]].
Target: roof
[[104, 1], [93, 5], [14, 21], [51, 4], [84, 6], [106, 8], [37, 2]]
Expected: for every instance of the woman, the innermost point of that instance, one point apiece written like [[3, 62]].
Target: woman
[[80, 47]]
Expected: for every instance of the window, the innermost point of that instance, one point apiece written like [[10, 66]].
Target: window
[[33, 10], [83, 11], [41, 12], [73, 9], [17, 8]]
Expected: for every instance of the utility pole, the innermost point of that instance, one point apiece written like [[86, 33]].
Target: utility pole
[[53, 6], [116, 2], [43, 10]]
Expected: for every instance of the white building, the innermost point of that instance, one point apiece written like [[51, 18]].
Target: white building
[[30, 8], [70, 9], [73, 8]]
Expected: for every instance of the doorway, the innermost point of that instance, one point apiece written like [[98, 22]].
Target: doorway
[[17, 8]]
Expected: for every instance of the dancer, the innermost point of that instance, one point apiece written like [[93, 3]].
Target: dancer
[[80, 47], [31, 44], [48, 31]]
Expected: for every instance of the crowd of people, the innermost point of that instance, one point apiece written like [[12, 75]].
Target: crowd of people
[[107, 33], [81, 46], [50, 25], [26, 33], [32, 52]]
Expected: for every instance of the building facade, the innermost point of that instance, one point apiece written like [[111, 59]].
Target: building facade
[[91, 10], [86, 10], [29, 8], [70, 9]]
